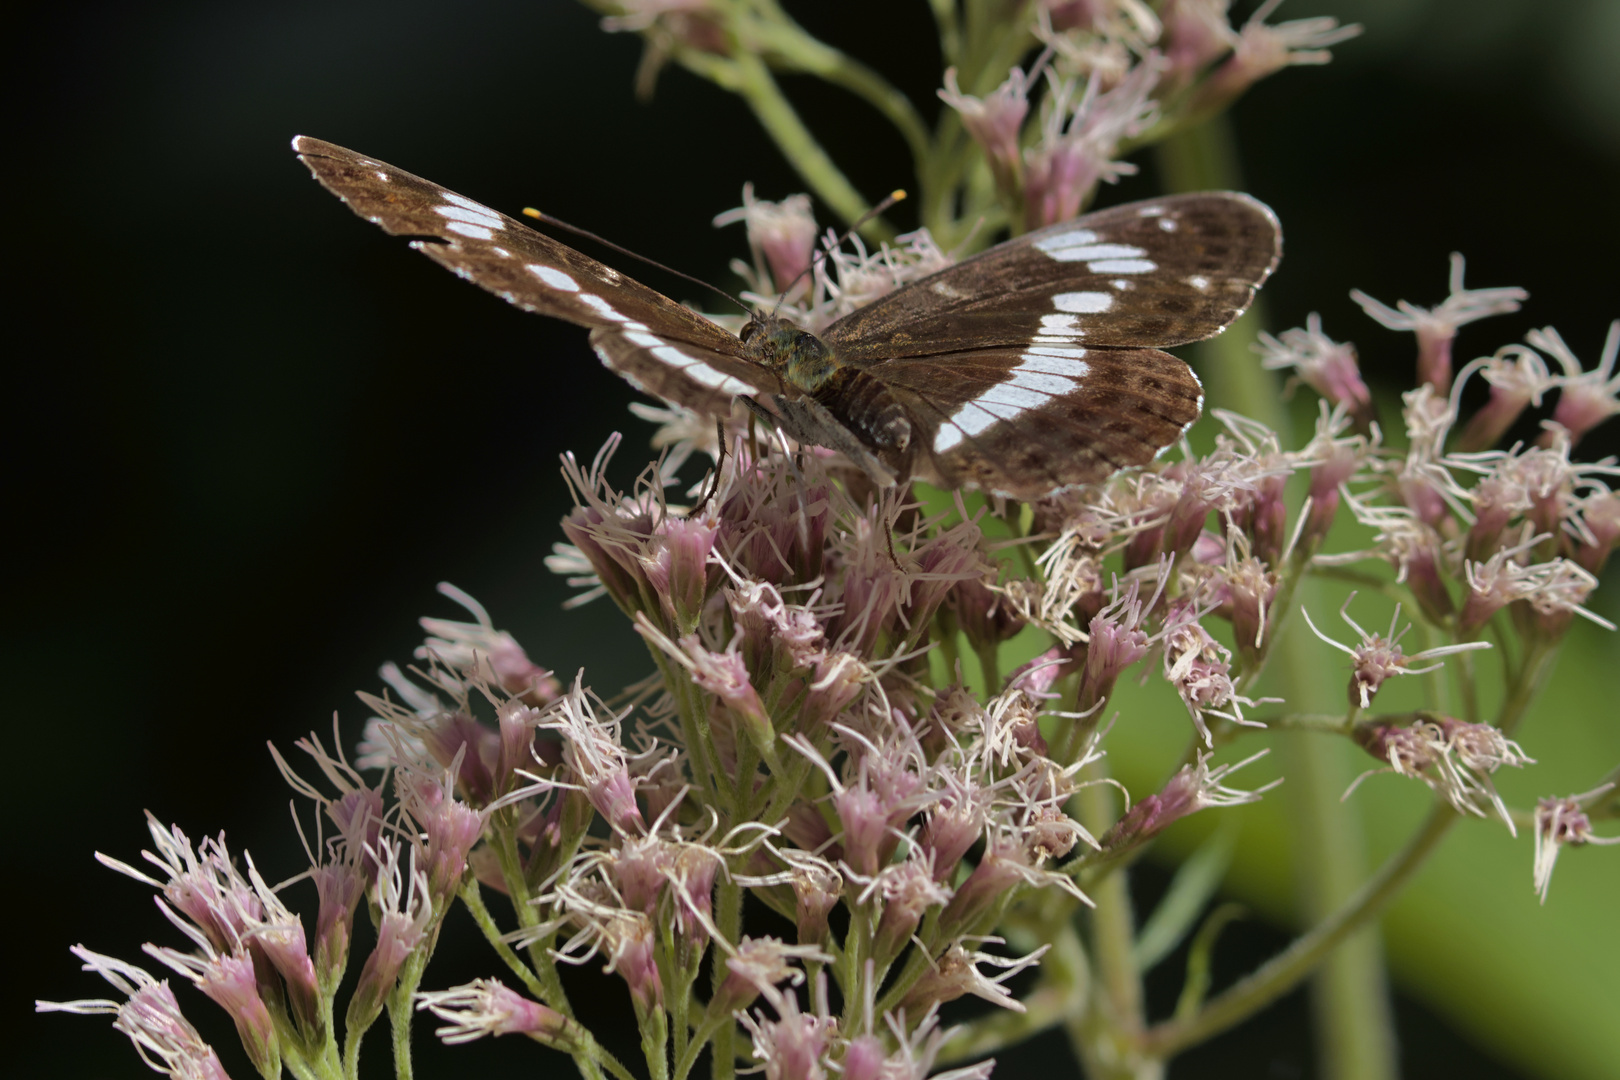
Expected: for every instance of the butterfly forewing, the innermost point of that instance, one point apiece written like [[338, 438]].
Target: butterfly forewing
[[536, 273], [1162, 272]]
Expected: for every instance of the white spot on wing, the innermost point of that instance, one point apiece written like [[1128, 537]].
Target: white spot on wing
[[553, 277], [487, 218], [1168, 224], [1058, 324], [1042, 381], [708, 376], [463, 201], [476, 232], [947, 291], [1150, 211], [1122, 266], [382, 176], [1067, 366], [645, 340], [1086, 303], [1073, 351], [601, 307], [1087, 252], [1056, 246], [1199, 282], [1042, 374], [1011, 395], [502, 252]]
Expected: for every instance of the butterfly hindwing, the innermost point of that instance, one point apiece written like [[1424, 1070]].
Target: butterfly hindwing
[[1031, 421], [536, 273], [1151, 274]]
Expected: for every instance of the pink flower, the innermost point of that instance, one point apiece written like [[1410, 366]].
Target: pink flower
[[1562, 823], [1378, 658], [1262, 50], [487, 1007], [782, 236], [1329, 367], [477, 647], [1193, 788], [152, 1019], [1079, 139], [994, 122], [1585, 399], [1436, 327]]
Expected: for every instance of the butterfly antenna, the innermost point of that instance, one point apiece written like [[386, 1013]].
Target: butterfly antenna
[[547, 219], [897, 195]]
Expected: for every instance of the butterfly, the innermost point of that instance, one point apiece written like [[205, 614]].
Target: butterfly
[[1027, 369]]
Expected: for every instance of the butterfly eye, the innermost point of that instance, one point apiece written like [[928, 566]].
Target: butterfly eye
[[750, 328]]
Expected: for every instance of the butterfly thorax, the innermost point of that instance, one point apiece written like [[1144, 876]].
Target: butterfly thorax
[[799, 357]]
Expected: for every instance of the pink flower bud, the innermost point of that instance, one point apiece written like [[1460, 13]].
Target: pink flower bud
[[230, 982], [452, 736], [634, 960], [1004, 866], [1195, 33], [1562, 823], [984, 616], [864, 1058], [1261, 50], [406, 915], [836, 682], [758, 965]]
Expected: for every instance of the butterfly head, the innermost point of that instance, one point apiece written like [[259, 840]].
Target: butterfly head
[[798, 356]]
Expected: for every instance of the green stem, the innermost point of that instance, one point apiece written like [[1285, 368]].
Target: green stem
[[473, 898], [1284, 971], [728, 920], [1317, 723], [789, 47], [1106, 1034], [550, 988], [777, 116], [950, 31], [400, 1011]]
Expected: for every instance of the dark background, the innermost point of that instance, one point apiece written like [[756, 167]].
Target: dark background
[[247, 433]]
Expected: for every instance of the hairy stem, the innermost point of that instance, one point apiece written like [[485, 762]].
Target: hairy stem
[[777, 116]]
